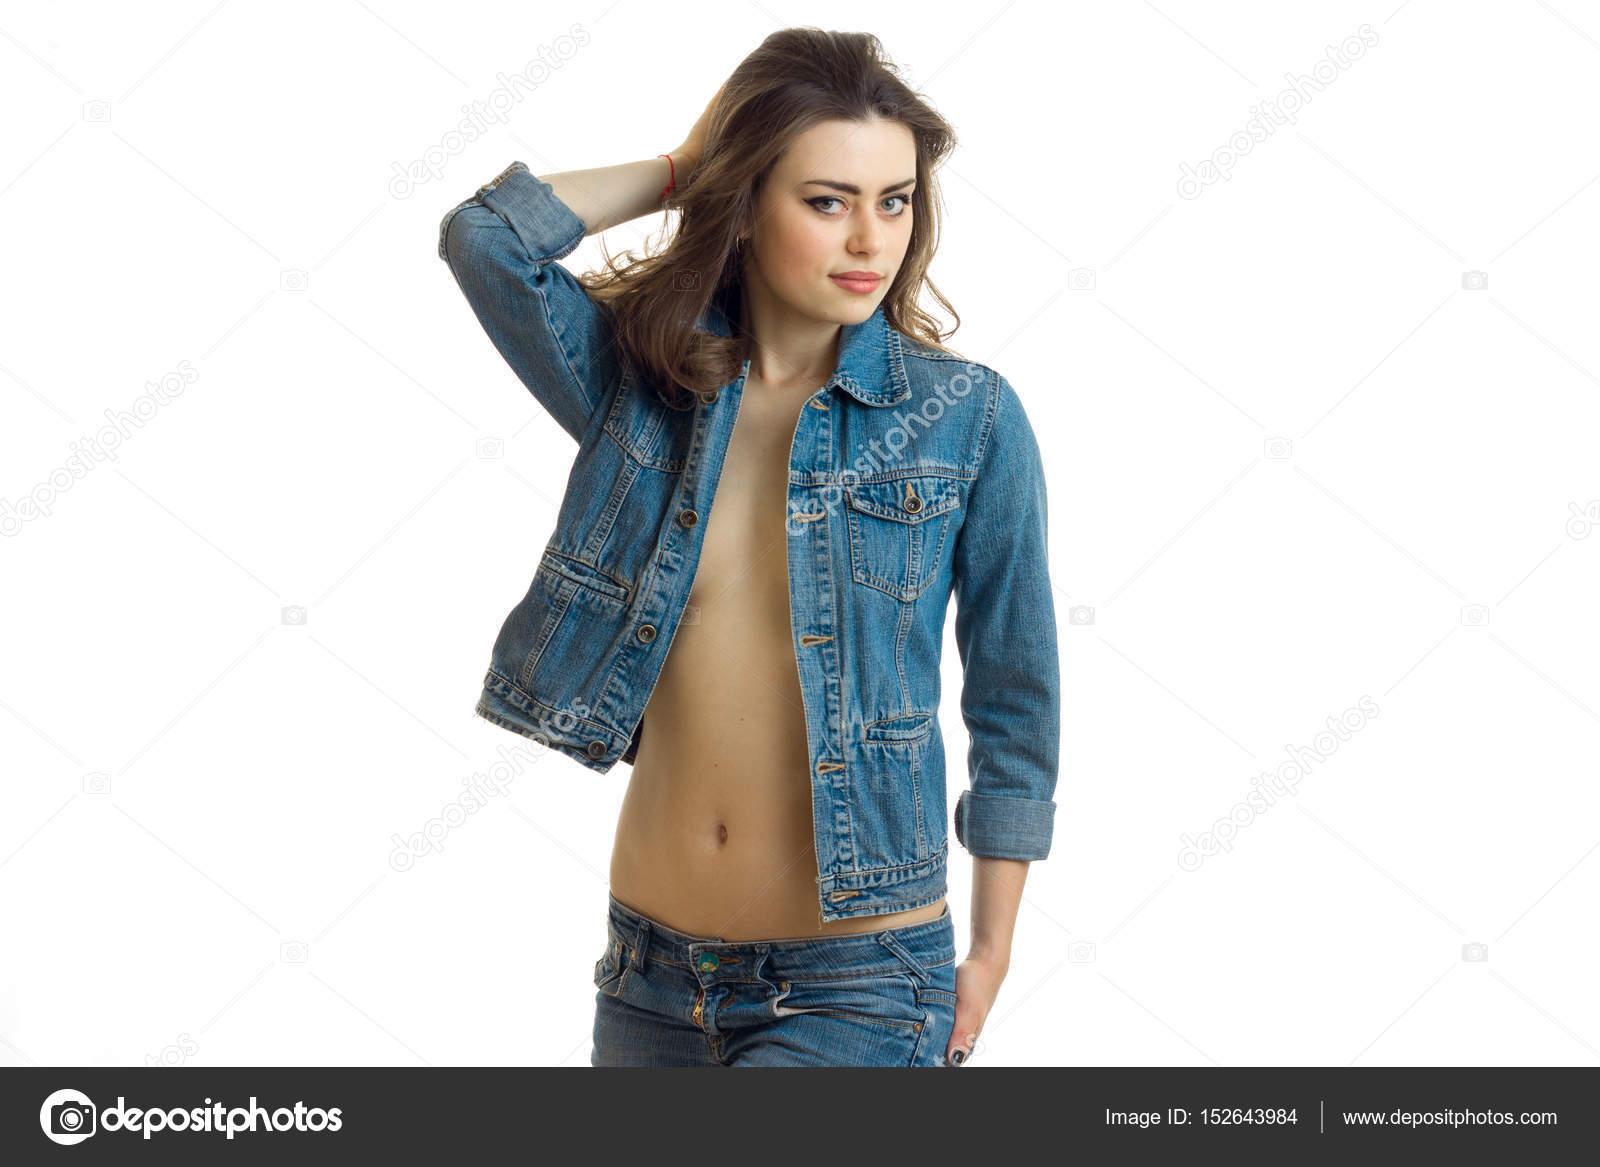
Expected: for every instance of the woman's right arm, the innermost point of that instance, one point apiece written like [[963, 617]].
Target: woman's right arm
[[501, 245], [609, 195]]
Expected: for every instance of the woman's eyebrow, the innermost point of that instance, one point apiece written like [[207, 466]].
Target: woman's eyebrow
[[851, 188]]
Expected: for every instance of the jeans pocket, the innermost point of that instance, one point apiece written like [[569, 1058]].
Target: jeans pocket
[[872, 1019], [934, 990], [888, 998], [609, 969]]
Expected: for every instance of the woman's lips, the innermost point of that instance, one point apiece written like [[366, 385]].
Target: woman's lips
[[850, 284]]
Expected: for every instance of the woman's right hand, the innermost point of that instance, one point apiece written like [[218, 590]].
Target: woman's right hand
[[694, 145]]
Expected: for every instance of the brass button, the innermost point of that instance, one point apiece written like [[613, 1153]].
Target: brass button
[[596, 748], [688, 518], [709, 398], [647, 632]]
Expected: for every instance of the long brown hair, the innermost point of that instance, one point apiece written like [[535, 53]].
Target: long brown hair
[[797, 78]]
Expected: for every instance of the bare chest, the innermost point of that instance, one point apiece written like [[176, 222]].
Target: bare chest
[[746, 532]]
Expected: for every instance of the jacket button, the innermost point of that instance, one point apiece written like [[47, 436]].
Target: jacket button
[[709, 398], [647, 632], [913, 504], [688, 518], [596, 748]]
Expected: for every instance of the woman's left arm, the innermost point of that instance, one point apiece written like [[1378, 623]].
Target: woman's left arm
[[1010, 696], [996, 896]]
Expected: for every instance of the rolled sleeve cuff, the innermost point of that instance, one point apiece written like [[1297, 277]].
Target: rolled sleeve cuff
[[548, 228], [997, 827]]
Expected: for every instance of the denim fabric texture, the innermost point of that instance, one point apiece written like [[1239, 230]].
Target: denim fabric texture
[[666, 998], [914, 476]]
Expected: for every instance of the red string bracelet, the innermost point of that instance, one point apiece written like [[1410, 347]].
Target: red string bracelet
[[673, 170]]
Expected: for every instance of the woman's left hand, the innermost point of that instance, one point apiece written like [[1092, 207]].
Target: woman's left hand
[[978, 981]]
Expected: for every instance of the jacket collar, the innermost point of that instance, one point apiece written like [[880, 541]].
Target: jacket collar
[[870, 367]]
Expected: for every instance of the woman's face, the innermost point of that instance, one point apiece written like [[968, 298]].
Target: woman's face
[[838, 201]]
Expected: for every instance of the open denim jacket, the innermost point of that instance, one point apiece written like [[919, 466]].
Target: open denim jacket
[[912, 474]]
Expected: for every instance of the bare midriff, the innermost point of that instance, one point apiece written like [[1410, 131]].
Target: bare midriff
[[715, 834]]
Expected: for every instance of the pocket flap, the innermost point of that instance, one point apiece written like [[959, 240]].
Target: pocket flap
[[905, 500]]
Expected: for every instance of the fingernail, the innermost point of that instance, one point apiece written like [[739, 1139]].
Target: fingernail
[[957, 1056]]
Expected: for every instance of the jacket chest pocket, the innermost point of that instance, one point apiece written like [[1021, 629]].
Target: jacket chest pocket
[[898, 531]]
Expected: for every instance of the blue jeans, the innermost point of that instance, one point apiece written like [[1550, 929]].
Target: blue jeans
[[666, 998]]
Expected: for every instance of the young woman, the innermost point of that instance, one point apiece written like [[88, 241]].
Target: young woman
[[782, 477]]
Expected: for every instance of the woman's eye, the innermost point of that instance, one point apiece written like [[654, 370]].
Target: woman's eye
[[817, 202]]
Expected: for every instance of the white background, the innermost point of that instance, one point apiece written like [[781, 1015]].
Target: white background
[[190, 785]]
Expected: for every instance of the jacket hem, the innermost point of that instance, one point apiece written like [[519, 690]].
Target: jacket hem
[[590, 744], [880, 890]]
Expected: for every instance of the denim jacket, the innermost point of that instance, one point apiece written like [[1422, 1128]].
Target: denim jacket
[[913, 474]]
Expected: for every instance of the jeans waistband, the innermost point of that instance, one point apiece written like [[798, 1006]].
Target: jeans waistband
[[913, 948]]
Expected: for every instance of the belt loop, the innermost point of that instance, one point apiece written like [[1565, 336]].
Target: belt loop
[[888, 940], [639, 945]]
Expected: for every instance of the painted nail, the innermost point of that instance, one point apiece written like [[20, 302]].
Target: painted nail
[[957, 1056]]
